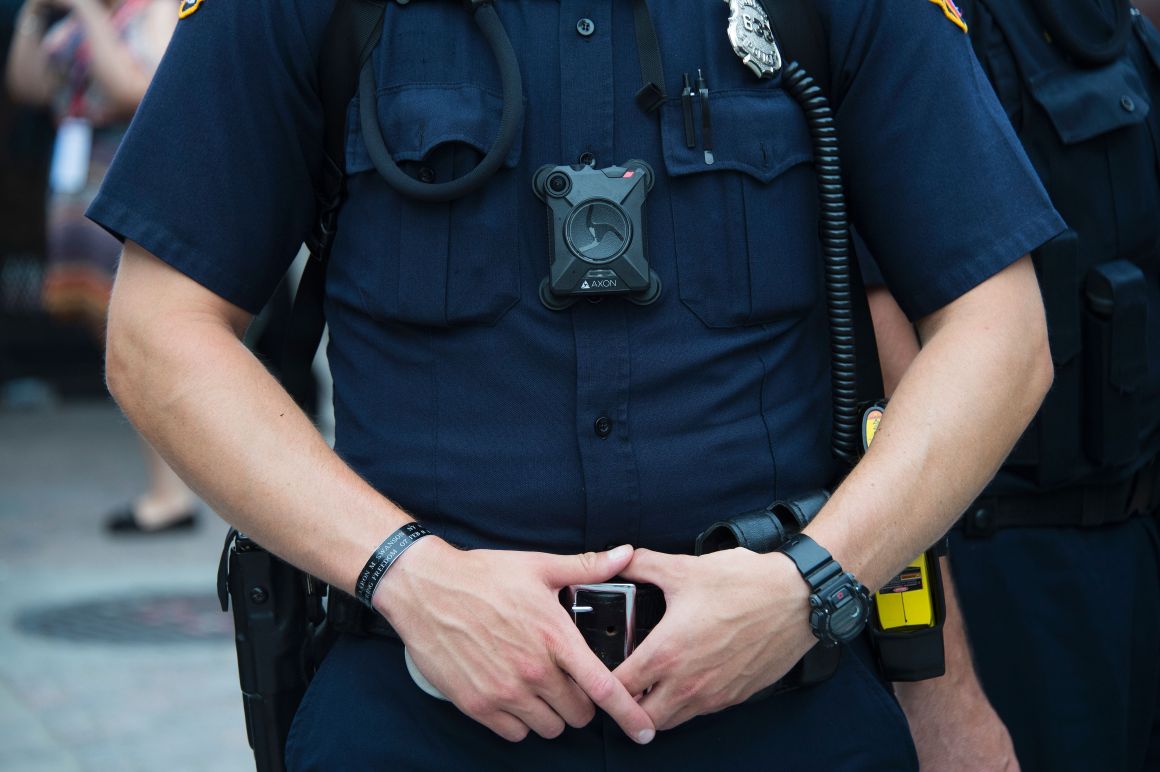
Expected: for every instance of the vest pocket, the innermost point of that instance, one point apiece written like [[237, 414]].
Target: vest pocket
[[442, 264], [745, 227]]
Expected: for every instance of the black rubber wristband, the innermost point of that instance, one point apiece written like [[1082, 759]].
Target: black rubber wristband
[[385, 556]]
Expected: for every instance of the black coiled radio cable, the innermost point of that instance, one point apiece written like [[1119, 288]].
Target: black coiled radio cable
[[835, 238]]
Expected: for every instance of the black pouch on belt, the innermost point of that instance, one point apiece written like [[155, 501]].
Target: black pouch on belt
[[1115, 360], [765, 530]]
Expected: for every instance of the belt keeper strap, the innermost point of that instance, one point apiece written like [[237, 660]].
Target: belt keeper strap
[[384, 557]]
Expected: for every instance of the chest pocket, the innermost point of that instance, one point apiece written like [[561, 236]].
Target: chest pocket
[[745, 228], [442, 264]]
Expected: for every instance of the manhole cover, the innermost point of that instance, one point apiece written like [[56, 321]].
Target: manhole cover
[[152, 619]]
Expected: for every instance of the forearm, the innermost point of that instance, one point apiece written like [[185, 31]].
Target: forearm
[[29, 77], [212, 410], [983, 370]]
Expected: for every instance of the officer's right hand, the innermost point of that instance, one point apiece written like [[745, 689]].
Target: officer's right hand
[[487, 629]]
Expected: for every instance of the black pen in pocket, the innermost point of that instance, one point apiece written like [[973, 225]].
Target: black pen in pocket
[[706, 122], [687, 108]]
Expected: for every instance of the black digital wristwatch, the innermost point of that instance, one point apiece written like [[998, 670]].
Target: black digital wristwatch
[[839, 603]]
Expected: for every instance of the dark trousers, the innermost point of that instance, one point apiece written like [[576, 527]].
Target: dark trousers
[[363, 712], [1065, 628]]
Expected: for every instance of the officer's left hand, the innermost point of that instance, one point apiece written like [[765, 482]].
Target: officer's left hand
[[735, 622]]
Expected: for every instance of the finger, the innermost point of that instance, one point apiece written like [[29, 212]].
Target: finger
[[506, 726], [643, 668], [595, 680], [665, 708], [569, 701], [539, 717], [587, 567], [653, 567]]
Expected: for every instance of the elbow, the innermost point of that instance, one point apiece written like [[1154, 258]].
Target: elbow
[[1028, 331], [1044, 369], [1040, 370], [118, 367], [126, 356]]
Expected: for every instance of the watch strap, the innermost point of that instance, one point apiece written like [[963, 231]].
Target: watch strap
[[813, 561]]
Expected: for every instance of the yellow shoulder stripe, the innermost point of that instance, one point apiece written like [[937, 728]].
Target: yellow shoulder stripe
[[948, 7], [187, 8]]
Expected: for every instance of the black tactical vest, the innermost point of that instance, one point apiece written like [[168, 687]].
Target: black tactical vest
[[1092, 130]]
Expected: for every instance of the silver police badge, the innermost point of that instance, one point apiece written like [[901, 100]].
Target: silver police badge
[[752, 37]]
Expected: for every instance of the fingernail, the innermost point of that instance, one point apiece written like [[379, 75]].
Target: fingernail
[[620, 552], [645, 736]]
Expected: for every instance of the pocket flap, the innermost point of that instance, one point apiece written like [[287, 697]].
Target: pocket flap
[[761, 133], [416, 119], [1083, 104]]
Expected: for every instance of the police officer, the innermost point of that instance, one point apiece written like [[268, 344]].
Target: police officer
[[1057, 566], [532, 442]]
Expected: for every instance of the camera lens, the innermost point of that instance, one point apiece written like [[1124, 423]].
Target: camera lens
[[558, 184], [598, 231]]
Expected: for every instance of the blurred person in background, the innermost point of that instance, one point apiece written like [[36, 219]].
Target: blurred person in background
[[91, 62], [25, 146]]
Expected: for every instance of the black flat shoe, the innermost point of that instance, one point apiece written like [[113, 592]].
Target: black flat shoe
[[124, 523]]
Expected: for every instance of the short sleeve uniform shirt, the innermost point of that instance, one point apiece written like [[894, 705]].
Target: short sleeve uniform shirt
[[497, 421]]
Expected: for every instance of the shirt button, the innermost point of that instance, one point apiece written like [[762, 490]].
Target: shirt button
[[603, 426], [587, 159], [1127, 103], [585, 27], [427, 174]]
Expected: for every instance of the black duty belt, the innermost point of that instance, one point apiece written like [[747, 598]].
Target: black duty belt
[[613, 618], [1085, 506]]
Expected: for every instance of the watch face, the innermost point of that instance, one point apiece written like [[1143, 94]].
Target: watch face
[[847, 606], [848, 620]]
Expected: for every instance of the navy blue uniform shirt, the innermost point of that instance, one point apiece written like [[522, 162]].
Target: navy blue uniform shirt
[[457, 393]]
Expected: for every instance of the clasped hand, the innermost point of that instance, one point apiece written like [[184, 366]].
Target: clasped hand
[[735, 622], [487, 629]]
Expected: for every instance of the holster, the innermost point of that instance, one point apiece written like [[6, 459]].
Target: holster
[[913, 653], [281, 638]]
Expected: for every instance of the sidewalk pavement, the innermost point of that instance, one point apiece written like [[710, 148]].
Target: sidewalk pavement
[[113, 653]]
